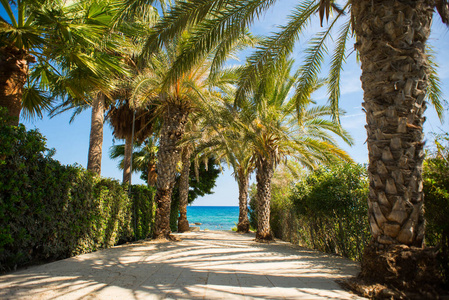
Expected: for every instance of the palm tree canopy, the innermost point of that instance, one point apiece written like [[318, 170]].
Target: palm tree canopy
[[72, 43], [215, 21], [276, 132]]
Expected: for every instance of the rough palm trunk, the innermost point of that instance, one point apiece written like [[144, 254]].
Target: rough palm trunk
[[264, 174], [13, 75], [183, 223], [169, 153], [127, 159], [391, 37], [96, 135], [243, 183], [152, 175]]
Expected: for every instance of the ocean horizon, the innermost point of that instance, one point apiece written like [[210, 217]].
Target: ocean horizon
[[213, 217]]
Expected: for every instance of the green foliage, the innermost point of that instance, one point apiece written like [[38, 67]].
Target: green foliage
[[143, 210], [436, 191], [50, 211], [331, 206], [325, 210]]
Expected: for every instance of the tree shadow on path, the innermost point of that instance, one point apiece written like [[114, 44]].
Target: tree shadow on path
[[205, 265]]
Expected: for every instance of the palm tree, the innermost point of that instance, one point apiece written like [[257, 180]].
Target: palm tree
[[243, 167], [195, 91], [114, 61], [183, 223], [43, 32], [143, 158], [227, 146], [276, 134], [174, 104], [132, 125]]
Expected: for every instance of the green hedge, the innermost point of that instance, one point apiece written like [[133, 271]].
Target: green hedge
[[436, 193], [332, 210], [50, 211], [326, 210]]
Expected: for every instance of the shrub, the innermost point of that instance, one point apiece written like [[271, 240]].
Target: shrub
[[436, 201], [50, 211], [325, 210]]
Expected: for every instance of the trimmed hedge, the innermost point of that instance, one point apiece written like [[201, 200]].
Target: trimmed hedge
[[50, 211]]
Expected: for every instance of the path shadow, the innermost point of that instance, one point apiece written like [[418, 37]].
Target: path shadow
[[198, 267]]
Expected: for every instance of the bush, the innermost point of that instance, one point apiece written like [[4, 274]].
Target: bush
[[436, 201], [326, 210], [50, 211]]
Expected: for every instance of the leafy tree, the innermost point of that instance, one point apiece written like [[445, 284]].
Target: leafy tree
[[331, 204]]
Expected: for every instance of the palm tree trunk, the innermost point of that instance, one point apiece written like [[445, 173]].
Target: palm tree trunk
[[169, 154], [183, 223], [152, 175], [13, 75], [127, 159], [264, 174], [96, 134], [243, 183], [391, 38]]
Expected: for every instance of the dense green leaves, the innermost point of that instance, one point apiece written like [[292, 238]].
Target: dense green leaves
[[50, 211], [436, 191], [324, 210]]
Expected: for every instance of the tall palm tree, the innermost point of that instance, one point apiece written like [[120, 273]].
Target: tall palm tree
[[174, 104], [143, 158], [243, 167], [227, 146], [42, 32], [175, 101], [114, 58], [183, 223], [276, 134]]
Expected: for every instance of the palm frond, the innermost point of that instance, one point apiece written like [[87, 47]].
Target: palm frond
[[34, 102], [274, 49], [338, 59], [434, 93]]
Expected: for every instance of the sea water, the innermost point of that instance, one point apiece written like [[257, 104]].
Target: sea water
[[213, 217]]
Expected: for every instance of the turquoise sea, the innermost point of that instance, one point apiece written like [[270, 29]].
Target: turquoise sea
[[213, 217]]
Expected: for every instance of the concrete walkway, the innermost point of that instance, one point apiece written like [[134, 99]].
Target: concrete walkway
[[204, 265]]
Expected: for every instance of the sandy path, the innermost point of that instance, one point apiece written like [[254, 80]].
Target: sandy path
[[204, 265]]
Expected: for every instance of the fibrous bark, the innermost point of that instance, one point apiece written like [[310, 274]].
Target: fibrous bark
[[183, 223], [243, 183], [96, 135], [169, 153], [152, 175], [127, 159], [264, 174], [391, 38], [13, 75]]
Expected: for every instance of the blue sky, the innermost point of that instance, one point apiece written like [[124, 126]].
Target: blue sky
[[71, 141]]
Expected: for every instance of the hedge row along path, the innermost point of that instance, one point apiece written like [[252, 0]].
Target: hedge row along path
[[203, 265]]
